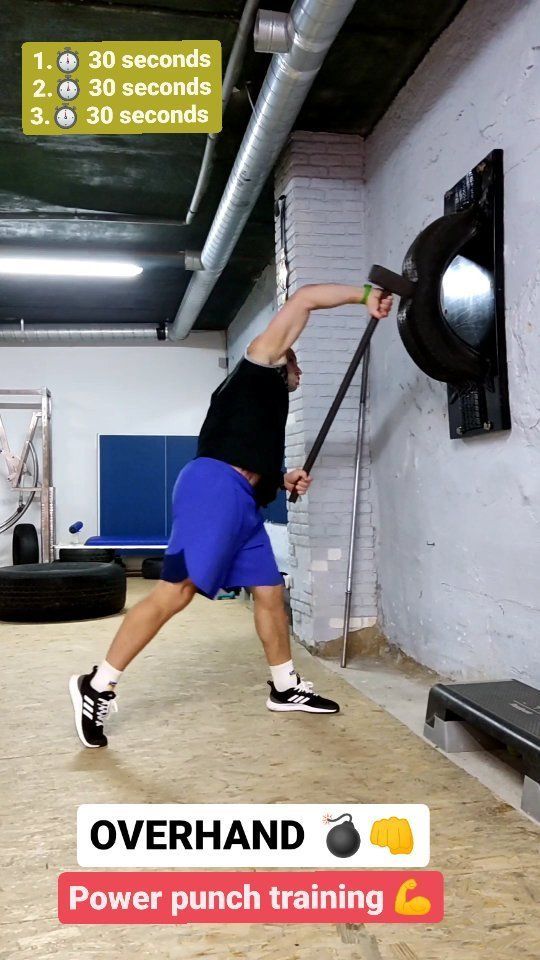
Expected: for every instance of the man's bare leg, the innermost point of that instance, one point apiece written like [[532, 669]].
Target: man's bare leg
[[272, 624], [146, 618], [288, 693], [92, 694]]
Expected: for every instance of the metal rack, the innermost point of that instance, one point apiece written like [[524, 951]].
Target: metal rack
[[42, 407]]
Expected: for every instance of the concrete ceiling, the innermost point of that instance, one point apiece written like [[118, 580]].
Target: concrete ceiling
[[44, 181]]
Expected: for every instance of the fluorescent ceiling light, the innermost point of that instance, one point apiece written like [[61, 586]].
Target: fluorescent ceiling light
[[50, 267]]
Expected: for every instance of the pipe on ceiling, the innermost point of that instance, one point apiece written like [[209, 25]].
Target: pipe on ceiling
[[229, 80], [79, 334], [312, 28]]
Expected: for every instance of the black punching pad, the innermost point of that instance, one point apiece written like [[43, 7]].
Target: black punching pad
[[424, 330]]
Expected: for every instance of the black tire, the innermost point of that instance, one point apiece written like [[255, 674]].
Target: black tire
[[25, 544], [95, 555], [426, 334], [151, 568], [50, 592]]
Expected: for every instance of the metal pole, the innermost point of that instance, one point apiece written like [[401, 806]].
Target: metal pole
[[52, 488], [47, 512], [358, 465]]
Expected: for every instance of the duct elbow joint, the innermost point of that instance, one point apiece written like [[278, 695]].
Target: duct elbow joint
[[192, 258], [272, 33]]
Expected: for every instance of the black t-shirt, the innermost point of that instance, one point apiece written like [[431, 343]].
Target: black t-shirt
[[245, 424]]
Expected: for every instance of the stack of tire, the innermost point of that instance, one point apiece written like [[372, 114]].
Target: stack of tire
[[82, 587], [151, 568]]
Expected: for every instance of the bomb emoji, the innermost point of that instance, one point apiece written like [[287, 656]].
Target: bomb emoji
[[343, 840]]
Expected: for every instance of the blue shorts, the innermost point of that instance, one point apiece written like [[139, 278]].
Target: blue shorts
[[218, 539]]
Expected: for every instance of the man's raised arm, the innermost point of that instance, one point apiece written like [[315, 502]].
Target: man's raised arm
[[287, 325]]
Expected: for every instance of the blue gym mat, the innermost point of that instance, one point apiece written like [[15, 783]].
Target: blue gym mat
[[137, 474]]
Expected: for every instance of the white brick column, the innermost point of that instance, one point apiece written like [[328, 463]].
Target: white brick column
[[321, 176]]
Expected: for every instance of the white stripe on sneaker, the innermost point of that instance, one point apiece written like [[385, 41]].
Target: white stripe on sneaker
[[76, 699], [305, 708]]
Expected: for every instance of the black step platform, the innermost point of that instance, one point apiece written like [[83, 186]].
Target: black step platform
[[462, 717]]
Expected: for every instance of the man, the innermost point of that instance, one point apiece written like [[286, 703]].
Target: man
[[218, 538]]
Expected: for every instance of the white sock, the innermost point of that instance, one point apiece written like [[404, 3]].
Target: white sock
[[283, 676], [105, 676]]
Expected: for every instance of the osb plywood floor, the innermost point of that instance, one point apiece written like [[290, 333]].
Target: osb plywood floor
[[193, 727]]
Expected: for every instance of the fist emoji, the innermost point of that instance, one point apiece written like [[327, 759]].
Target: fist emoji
[[395, 833]]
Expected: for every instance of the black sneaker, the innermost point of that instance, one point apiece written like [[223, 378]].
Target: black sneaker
[[300, 697], [91, 709]]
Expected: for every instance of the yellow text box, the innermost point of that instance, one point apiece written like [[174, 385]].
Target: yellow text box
[[121, 87]]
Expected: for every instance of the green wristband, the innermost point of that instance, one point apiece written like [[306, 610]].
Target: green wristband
[[367, 290]]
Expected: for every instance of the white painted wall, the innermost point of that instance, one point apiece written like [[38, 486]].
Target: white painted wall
[[459, 521], [254, 315], [158, 389]]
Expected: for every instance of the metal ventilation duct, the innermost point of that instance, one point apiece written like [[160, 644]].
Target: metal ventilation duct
[[232, 73], [79, 335], [312, 28], [84, 333]]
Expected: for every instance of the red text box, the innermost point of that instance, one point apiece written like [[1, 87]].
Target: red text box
[[321, 896]]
